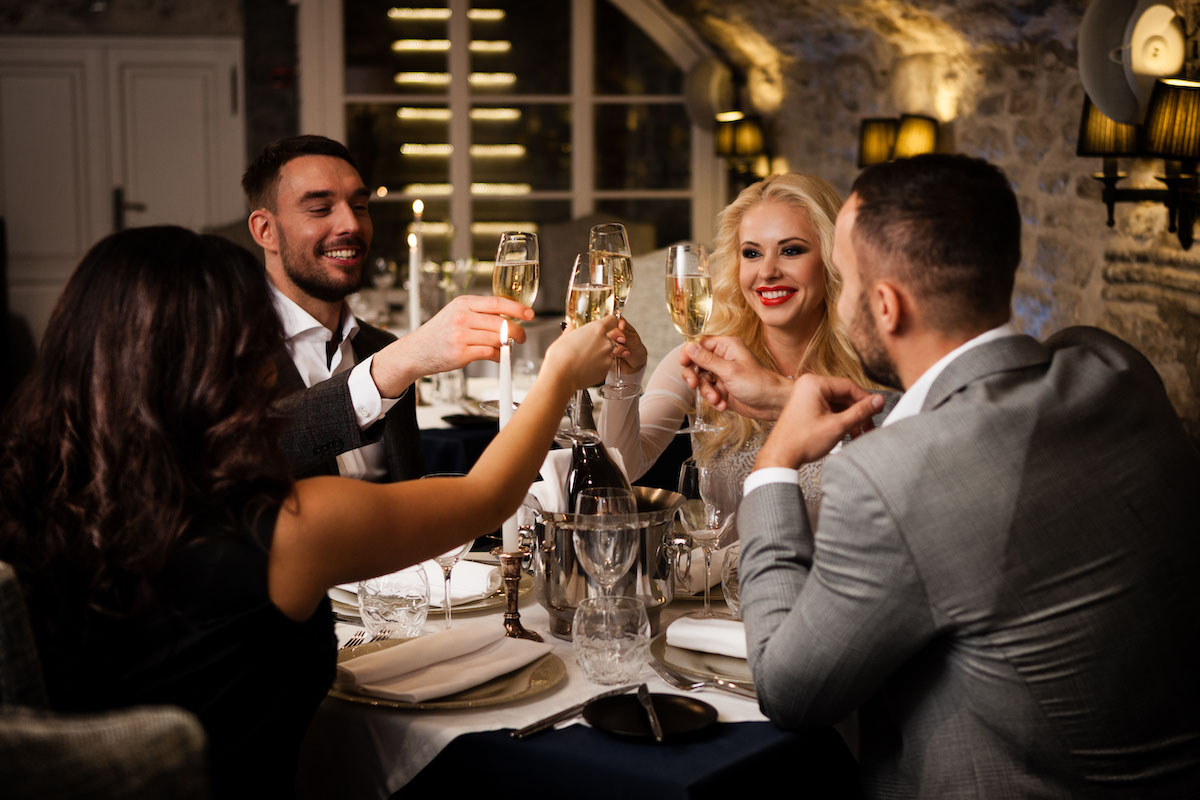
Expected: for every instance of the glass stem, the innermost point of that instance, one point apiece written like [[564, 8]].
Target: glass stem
[[707, 580], [446, 596], [620, 381]]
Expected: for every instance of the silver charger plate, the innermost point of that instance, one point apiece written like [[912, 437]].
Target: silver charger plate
[[535, 678], [704, 666]]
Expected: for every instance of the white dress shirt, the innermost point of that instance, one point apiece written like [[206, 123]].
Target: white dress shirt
[[306, 341], [909, 404]]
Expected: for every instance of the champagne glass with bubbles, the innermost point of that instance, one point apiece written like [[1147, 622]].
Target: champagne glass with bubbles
[[610, 243], [689, 301], [515, 274], [589, 297]]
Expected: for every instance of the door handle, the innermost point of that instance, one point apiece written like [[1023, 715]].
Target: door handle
[[120, 206]]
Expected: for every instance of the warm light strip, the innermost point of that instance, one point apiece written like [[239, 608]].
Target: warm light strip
[[443, 114], [496, 114], [498, 150], [428, 189], [497, 228], [443, 189], [492, 78], [500, 188], [425, 114], [433, 228], [428, 78], [484, 14], [490, 46], [421, 45], [730, 116], [440, 150]]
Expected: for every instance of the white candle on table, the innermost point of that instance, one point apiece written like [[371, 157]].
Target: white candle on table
[[510, 539], [414, 284]]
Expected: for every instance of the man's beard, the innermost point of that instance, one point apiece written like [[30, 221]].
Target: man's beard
[[864, 338], [307, 274]]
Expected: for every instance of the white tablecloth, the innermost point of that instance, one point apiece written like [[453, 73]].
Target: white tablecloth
[[355, 751]]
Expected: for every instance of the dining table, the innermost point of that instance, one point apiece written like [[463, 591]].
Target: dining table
[[354, 750]]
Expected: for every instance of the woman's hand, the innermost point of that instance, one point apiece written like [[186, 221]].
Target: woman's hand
[[729, 376], [630, 348], [581, 356]]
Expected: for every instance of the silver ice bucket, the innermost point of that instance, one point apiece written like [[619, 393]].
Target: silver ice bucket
[[560, 582]]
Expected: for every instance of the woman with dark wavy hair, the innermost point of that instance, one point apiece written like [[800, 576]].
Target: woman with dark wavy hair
[[166, 554]]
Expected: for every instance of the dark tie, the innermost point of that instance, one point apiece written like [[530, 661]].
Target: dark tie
[[331, 347]]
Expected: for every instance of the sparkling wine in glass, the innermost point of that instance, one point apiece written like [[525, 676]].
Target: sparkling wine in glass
[[689, 301], [589, 297], [610, 243], [606, 535], [515, 274]]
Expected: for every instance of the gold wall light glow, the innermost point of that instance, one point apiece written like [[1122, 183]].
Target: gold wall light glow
[[423, 78], [496, 114], [434, 229], [382, 191], [420, 45], [489, 46], [500, 188], [497, 228], [428, 189], [423, 114], [492, 78], [729, 116], [427, 150], [426, 14], [498, 150]]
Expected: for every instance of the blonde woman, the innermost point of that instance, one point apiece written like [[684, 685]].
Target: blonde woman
[[774, 296]]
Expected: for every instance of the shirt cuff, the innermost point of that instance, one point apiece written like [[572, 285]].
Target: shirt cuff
[[369, 406], [761, 477]]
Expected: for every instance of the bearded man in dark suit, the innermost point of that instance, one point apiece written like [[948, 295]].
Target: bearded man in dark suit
[[348, 384]]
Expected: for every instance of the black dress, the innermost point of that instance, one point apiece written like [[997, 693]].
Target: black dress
[[217, 647]]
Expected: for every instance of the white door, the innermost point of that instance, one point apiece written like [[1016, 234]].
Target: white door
[[100, 132]]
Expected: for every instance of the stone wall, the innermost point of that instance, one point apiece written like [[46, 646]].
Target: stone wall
[[1003, 77]]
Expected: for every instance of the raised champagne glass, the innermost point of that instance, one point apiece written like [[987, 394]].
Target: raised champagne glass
[[515, 274], [609, 242], [589, 297], [689, 301]]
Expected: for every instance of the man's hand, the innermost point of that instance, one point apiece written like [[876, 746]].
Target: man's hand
[[467, 329], [729, 376], [630, 348], [820, 412]]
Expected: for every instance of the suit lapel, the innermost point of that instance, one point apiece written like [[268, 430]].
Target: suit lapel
[[1013, 352]]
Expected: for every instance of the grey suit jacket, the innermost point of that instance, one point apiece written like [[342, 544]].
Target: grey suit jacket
[[1005, 585], [323, 424]]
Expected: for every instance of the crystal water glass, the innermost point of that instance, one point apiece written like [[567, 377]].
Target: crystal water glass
[[611, 638], [395, 605]]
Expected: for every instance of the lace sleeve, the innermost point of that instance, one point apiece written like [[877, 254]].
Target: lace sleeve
[[641, 428]]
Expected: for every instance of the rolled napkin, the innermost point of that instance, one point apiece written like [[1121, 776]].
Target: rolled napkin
[[438, 665], [469, 581], [726, 637], [551, 491]]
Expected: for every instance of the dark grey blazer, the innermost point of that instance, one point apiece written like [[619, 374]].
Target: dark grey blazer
[[1005, 585], [323, 422]]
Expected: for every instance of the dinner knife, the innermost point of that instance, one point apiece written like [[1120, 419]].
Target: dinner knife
[[643, 696], [567, 713]]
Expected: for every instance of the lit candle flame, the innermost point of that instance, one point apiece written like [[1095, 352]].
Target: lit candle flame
[[418, 207], [412, 240], [503, 332]]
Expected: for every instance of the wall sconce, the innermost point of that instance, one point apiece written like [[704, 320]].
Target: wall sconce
[[744, 143], [1171, 131], [883, 139]]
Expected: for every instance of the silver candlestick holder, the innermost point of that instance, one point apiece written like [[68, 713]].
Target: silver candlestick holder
[[510, 574]]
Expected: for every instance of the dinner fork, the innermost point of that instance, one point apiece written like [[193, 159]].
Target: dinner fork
[[691, 684], [355, 640]]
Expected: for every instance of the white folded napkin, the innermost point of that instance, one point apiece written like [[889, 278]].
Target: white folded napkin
[[551, 491], [469, 581], [439, 664], [726, 637]]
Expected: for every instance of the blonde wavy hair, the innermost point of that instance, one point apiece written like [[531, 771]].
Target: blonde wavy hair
[[829, 352]]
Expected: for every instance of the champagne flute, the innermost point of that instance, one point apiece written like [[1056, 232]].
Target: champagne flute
[[515, 274], [689, 301], [446, 561], [606, 535], [589, 297], [703, 520], [610, 243]]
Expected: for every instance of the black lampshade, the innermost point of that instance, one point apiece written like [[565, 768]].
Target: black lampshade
[[876, 138], [1101, 136], [741, 138], [1172, 126], [917, 135]]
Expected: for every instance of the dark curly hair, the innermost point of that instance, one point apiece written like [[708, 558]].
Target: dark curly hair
[[261, 178], [149, 407]]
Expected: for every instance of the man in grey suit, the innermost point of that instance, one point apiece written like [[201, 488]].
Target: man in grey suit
[[347, 383], [1004, 578]]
